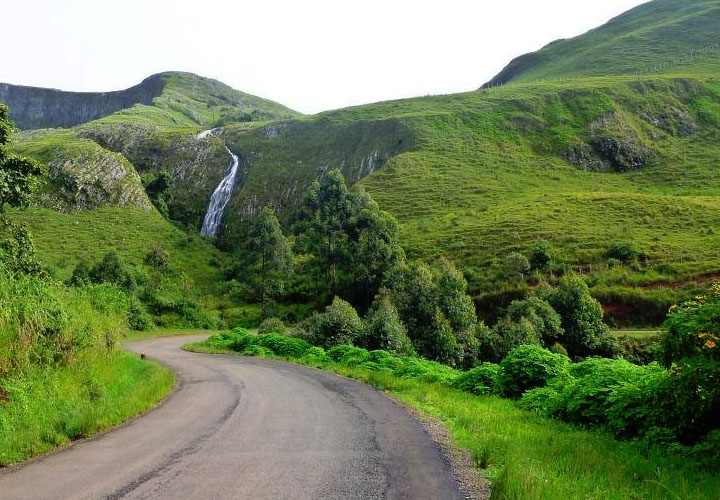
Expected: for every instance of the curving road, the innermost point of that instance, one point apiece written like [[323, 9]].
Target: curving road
[[244, 428]]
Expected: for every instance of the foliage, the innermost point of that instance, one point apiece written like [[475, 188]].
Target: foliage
[[158, 258], [339, 324], [517, 264], [481, 380], [541, 315], [582, 319], [439, 315], [267, 259], [508, 334], [111, 269], [693, 328], [527, 367], [272, 325], [384, 329], [18, 175], [624, 252], [159, 190], [17, 250]]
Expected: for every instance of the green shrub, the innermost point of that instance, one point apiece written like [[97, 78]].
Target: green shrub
[[543, 318], [138, 318], [257, 350], [339, 324], [693, 328], [507, 335], [315, 355], [384, 330], [348, 355], [281, 345], [271, 325], [624, 252], [481, 380], [157, 258], [527, 367], [112, 269], [588, 394]]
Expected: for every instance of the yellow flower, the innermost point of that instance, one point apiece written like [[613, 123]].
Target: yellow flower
[[702, 335], [710, 344]]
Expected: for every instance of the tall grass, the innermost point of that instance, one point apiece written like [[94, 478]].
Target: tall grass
[[61, 376]]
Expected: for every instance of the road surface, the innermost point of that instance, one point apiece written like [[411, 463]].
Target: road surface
[[246, 428]]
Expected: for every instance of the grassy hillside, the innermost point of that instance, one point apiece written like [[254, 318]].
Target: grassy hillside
[[583, 164], [63, 240], [189, 100], [662, 36], [171, 99]]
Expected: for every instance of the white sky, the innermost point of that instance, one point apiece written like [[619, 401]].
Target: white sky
[[311, 55]]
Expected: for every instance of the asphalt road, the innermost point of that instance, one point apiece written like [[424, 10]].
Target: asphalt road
[[245, 428]]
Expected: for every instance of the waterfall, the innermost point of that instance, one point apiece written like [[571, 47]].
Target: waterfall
[[221, 196]]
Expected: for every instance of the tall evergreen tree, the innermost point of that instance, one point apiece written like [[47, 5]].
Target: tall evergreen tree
[[270, 257]]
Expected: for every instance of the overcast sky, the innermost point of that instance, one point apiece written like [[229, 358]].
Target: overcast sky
[[311, 55]]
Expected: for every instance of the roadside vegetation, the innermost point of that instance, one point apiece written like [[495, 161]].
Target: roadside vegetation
[[560, 407], [62, 376]]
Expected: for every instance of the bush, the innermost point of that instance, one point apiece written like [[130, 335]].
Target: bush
[[315, 355], [481, 380], [543, 318], [281, 345], [541, 255], [138, 318], [271, 325], [624, 252], [507, 335], [157, 258], [527, 367], [588, 394], [112, 269], [257, 350], [582, 319], [384, 330], [693, 329], [339, 324], [348, 355]]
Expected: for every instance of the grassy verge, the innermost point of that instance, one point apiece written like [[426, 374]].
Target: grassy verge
[[48, 408], [529, 457], [165, 332]]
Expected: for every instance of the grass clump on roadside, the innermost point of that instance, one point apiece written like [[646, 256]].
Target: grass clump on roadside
[[50, 407], [61, 375]]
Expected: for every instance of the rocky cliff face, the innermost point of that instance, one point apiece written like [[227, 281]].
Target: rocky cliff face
[[195, 165], [82, 175], [34, 108]]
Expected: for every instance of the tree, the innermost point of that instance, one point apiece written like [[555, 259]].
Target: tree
[[339, 324], [375, 249], [543, 318], [18, 175], [158, 188], [542, 255], [270, 257], [517, 264], [582, 318], [384, 329], [439, 315], [18, 179], [328, 209]]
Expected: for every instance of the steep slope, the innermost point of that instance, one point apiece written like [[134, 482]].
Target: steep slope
[[662, 36], [171, 98]]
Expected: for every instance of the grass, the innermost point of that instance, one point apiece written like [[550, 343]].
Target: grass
[[663, 36], [50, 407], [530, 457], [164, 332], [479, 175], [64, 239]]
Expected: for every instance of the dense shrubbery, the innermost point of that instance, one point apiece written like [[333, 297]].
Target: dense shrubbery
[[339, 324], [155, 294], [527, 367], [271, 325], [44, 323]]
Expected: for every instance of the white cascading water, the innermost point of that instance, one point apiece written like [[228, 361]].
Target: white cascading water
[[221, 196]]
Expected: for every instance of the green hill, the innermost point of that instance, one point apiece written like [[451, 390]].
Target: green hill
[[172, 98], [662, 36]]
